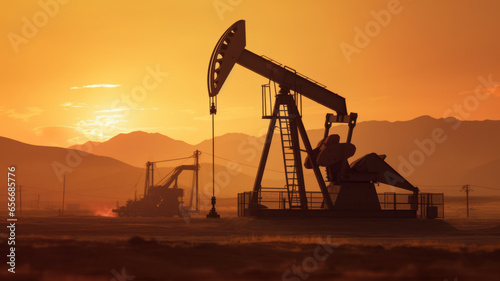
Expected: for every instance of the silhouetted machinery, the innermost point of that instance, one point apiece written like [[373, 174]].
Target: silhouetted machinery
[[164, 198], [350, 188]]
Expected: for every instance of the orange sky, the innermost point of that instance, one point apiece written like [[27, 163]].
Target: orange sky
[[425, 60]]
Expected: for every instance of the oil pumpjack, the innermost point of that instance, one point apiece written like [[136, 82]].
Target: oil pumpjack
[[349, 189], [164, 198]]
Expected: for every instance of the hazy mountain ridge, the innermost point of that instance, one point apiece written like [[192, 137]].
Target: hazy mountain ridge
[[138, 147], [92, 178], [468, 154], [430, 151]]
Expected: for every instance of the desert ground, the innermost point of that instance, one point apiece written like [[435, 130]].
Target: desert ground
[[82, 248]]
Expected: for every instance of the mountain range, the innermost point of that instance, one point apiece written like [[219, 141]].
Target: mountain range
[[428, 151], [438, 155], [91, 179]]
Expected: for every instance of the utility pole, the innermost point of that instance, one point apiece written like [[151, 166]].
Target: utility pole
[[64, 191], [197, 155], [467, 189]]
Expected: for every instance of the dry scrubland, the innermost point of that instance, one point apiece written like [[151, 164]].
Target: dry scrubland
[[98, 248]]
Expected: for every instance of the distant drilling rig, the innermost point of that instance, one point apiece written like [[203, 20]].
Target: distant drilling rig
[[349, 189], [164, 198]]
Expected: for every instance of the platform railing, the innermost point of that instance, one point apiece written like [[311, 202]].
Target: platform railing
[[428, 204]]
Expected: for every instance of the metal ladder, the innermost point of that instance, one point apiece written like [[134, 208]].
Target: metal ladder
[[288, 157]]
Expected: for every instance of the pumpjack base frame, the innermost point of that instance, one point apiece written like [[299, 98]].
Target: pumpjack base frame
[[392, 205], [289, 213]]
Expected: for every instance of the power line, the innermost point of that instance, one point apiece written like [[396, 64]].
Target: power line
[[38, 188], [175, 159], [100, 188], [248, 165], [487, 187], [97, 196], [105, 187], [423, 185], [75, 193], [138, 179], [457, 185]]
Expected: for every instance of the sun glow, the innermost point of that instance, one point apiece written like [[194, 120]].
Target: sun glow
[[96, 86], [104, 212]]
